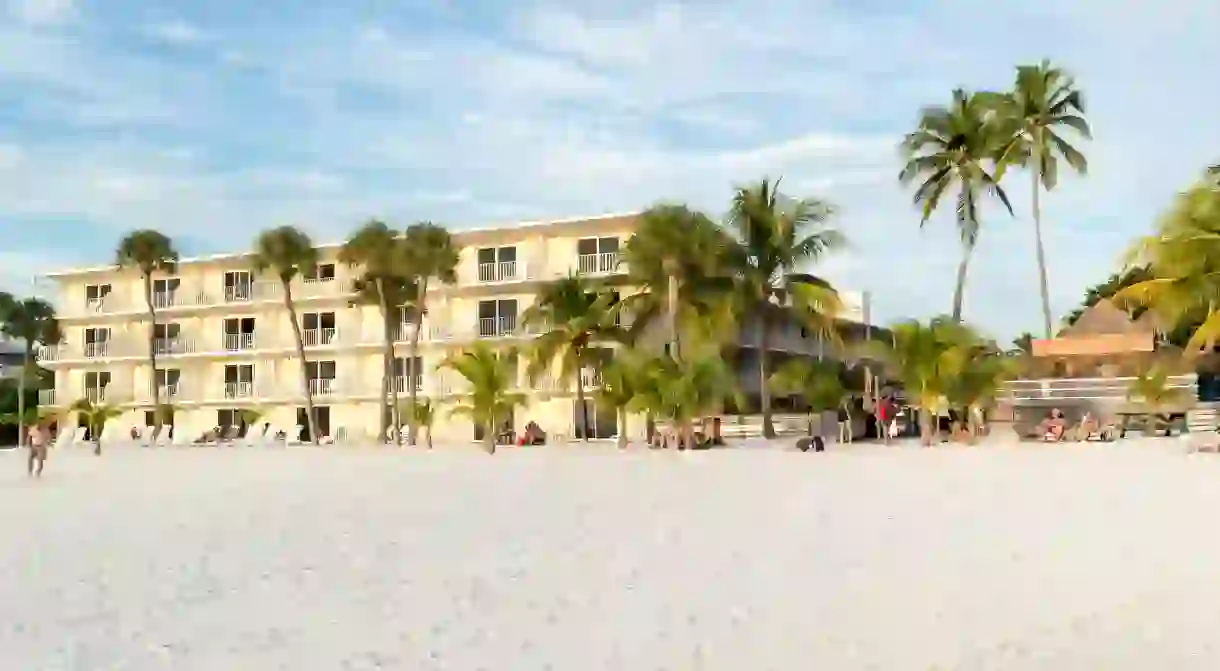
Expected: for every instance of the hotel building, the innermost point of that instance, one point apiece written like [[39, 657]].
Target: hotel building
[[224, 341]]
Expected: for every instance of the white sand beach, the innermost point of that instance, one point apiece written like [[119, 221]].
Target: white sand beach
[[1062, 557]]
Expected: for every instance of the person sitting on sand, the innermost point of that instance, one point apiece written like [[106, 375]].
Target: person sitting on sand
[[1087, 427], [533, 435], [1053, 427]]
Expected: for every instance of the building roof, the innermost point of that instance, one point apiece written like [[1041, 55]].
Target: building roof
[[570, 222], [1105, 318]]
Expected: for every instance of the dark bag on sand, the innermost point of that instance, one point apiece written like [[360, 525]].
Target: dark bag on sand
[[815, 442]]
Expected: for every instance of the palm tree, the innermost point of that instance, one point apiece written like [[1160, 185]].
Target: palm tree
[[819, 383], [422, 414], [1024, 343], [491, 397], [683, 390], [1043, 103], [575, 317], [148, 251], [33, 322], [1151, 391], [977, 370], [96, 415], [287, 252], [1183, 262], [951, 150], [430, 254], [776, 237], [380, 252], [621, 380]]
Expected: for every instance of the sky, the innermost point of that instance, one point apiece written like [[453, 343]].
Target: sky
[[212, 120]]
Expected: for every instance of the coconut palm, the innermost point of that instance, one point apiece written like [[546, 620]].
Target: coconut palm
[[675, 254], [380, 253], [31, 321], [491, 382], [1183, 262], [776, 238], [977, 370], [1151, 391], [401, 294], [1043, 103], [422, 414], [952, 150], [621, 379], [430, 254], [95, 416], [573, 317], [683, 390], [819, 383], [286, 253], [148, 251]]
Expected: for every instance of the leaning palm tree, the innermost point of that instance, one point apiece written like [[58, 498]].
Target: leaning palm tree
[[95, 416], [430, 253], [148, 251], [33, 322], [776, 237], [491, 397], [818, 383], [953, 150], [378, 250], [573, 317], [1043, 103], [287, 252]]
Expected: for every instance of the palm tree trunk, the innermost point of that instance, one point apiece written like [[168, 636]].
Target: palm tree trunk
[[310, 420], [25, 370], [489, 436], [412, 352], [152, 361], [764, 393], [925, 427], [671, 307], [622, 428], [959, 289], [580, 402], [1037, 189], [387, 365]]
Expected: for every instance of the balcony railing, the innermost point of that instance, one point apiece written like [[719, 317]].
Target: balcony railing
[[494, 327], [500, 271], [107, 303], [174, 345], [46, 397], [165, 391], [236, 342], [592, 264], [322, 386], [239, 390], [1083, 388], [590, 379], [95, 394], [239, 293], [48, 353], [97, 349], [319, 337], [399, 383], [165, 299]]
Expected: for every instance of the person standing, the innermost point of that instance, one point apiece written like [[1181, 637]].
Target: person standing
[[38, 449]]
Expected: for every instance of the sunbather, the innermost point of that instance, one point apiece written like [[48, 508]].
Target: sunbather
[[1053, 427]]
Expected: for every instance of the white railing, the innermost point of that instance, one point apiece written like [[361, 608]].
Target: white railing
[[97, 349], [165, 299], [1085, 388], [239, 390], [95, 394], [321, 386], [103, 304], [239, 293], [47, 353], [591, 264], [235, 342], [319, 337], [399, 383], [164, 391], [493, 327], [174, 345], [46, 397], [317, 286], [500, 271]]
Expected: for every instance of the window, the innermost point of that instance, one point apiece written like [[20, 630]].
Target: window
[[597, 255], [321, 417], [95, 293], [400, 373], [239, 380], [164, 292], [238, 286], [603, 422], [166, 338], [497, 264], [167, 377], [318, 328], [95, 386], [97, 342], [320, 370], [323, 272], [239, 333], [497, 318], [227, 417]]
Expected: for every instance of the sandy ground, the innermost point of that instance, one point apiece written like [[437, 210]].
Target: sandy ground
[[1042, 557]]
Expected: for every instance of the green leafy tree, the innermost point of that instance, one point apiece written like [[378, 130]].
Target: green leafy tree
[[95, 416], [776, 237], [423, 415], [977, 370], [953, 150], [148, 251], [1151, 391], [573, 317], [287, 253], [622, 378], [1043, 104], [684, 390], [33, 322], [430, 254], [819, 383], [1024, 343], [491, 397]]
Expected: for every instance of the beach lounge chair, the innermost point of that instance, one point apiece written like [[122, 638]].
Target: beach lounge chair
[[183, 435], [254, 436], [296, 436]]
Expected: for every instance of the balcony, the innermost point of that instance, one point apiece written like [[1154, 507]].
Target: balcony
[[590, 379], [239, 390], [239, 293], [501, 271], [95, 394], [174, 345], [597, 264], [319, 337], [45, 353], [47, 397], [496, 327], [104, 304], [237, 342], [399, 384], [322, 387], [95, 350]]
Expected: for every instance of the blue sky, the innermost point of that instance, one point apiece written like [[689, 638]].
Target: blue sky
[[212, 120]]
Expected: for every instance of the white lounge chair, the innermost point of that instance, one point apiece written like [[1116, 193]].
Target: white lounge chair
[[254, 435], [182, 435], [296, 436]]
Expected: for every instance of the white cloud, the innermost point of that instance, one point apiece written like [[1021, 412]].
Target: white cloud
[[177, 32], [42, 12]]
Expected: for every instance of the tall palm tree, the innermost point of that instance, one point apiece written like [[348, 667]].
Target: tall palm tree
[[148, 251], [430, 254], [776, 237], [491, 397], [33, 322], [1043, 103], [286, 253], [819, 383], [380, 253], [575, 317], [394, 291], [953, 149]]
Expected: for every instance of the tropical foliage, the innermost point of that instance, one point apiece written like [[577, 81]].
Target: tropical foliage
[[422, 414], [95, 416], [1153, 393], [492, 395], [429, 253], [818, 383], [31, 321]]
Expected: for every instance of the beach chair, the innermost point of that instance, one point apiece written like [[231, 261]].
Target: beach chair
[[296, 436], [182, 435], [254, 436]]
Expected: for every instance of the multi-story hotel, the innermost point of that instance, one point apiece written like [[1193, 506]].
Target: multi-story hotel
[[224, 341]]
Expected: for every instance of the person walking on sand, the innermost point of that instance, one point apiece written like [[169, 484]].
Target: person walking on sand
[[38, 450]]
